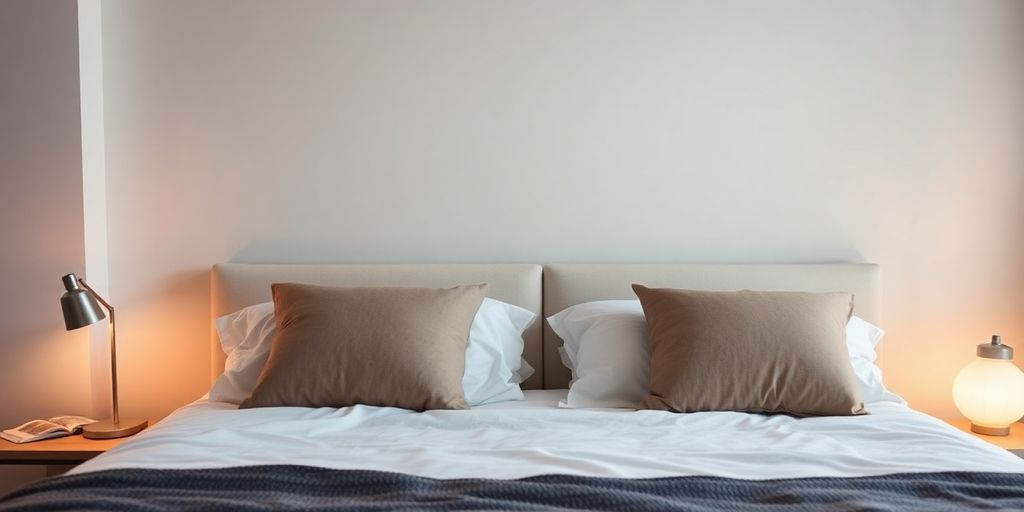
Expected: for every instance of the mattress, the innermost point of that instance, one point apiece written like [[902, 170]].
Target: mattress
[[536, 437]]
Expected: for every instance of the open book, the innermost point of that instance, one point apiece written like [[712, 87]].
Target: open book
[[36, 430]]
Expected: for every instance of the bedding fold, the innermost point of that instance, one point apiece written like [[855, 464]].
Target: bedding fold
[[533, 437]]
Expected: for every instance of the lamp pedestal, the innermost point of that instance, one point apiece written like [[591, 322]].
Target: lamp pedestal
[[107, 429], [990, 431]]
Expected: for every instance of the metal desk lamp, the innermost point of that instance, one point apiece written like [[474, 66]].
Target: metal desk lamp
[[80, 309]]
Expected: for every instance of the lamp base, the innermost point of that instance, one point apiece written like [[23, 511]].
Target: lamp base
[[990, 431], [107, 429]]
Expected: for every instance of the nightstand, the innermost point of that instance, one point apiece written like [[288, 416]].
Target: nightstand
[[57, 454], [1013, 442]]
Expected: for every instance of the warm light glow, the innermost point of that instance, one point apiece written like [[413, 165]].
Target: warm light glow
[[990, 392]]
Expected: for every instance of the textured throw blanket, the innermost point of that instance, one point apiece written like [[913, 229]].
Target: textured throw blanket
[[309, 488]]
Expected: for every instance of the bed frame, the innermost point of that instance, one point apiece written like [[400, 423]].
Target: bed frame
[[545, 290]]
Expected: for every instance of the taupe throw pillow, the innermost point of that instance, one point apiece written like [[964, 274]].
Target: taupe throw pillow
[[774, 352], [335, 347]]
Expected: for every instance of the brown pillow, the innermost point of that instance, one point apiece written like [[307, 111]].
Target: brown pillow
[[775, 352], [401, 347]]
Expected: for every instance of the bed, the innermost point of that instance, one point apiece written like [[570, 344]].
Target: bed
[[534, 453]]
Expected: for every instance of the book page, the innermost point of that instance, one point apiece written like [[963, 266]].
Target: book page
[[37, 427], [34, 431], [71, 423]]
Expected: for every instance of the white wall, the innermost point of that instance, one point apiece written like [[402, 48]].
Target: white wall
[[44, 371], [469, 131], [94, 189]]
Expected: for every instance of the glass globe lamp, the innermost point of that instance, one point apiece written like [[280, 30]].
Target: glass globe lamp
[[990, 390]]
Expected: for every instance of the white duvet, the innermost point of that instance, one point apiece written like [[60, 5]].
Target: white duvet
[[533, 437]]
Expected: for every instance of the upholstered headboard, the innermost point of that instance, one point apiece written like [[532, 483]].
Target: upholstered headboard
[[235, 286], [545, 290], [569, 284]]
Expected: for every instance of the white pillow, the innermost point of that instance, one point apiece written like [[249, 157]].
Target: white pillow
[[606, 349], [245, 337], [862, 337], [494, 364]]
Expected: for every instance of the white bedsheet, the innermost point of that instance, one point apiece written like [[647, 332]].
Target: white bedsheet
[[519, 439]]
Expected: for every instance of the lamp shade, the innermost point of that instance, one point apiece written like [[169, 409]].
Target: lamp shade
[[990, 390], [79, 305]]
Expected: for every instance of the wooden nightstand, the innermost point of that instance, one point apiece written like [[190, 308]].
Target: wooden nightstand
[[1013, 442], [62, 451]]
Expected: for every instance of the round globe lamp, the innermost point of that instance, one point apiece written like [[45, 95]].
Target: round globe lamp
[[990, 390]]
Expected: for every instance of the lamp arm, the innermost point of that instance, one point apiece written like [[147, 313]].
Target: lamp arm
[[112, 335], [97, 295]]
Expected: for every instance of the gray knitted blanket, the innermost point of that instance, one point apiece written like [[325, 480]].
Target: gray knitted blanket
[[309, 488]]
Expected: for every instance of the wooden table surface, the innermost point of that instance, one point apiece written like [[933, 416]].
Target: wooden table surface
[[62, 450], [1014, 441]]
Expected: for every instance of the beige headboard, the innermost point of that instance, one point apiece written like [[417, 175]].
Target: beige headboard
[[569, 284], [235, 286]]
